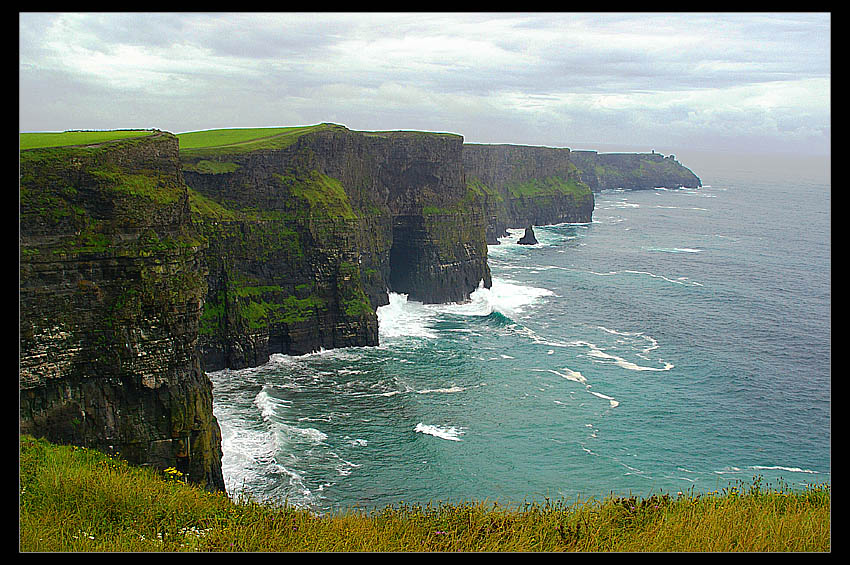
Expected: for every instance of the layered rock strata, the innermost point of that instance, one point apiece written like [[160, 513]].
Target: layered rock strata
[[308, 233], [632, 171], [112, 282], [141, 266], [527, 185]]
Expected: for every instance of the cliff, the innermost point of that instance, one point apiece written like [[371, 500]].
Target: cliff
[[111, 286], [309, 227], [526, 185], [632, 171], [144, 264]]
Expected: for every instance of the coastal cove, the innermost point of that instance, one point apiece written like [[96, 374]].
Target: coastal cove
[[680, 341], [344, 319]]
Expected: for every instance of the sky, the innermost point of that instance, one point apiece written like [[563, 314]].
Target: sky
[[665, 81]]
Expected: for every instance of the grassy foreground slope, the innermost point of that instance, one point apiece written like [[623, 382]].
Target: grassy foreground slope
[[75, 499]]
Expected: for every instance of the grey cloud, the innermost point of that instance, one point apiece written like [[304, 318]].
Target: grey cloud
[[535, 78]]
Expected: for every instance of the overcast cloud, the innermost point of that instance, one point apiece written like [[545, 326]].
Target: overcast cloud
[[756, 81]]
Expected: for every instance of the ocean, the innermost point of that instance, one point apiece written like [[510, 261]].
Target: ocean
[[680, 342]]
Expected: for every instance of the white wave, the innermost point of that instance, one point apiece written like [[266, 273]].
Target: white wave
[[682, 208], [293, 489], [450, 433], [624, 204], [568, 374], [732, 469], [448, 390], [244, 452], [675, 249], [681, 280], [576, 376], [404, 318], [780, 468], [620, 362], [610, 400], [506, 297], [267, 404], [308, 435], [653, 343], [343, 467], [598, 354], [727, 470]]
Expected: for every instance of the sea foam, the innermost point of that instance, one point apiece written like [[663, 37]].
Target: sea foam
[[404, 318], [504, 297], [450, 433]]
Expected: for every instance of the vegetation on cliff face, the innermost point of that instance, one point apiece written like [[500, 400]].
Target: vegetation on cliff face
[[325, 196], [245, 242], [548, 186], [111, 282], [280, 242], [638, 171], [320, 205], [75, 499]]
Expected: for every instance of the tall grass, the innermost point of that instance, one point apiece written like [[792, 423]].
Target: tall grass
[[74, 499]]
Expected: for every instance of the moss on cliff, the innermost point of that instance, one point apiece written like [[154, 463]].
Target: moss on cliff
[[637, 171], [482, 191], [111, 286], [206, 167], [548, 186], [324, 195], [280, 233]]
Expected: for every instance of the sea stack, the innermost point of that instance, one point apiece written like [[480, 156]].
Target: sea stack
[[528, 238]]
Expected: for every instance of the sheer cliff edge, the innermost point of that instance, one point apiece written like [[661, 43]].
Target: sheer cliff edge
[[147, 259]]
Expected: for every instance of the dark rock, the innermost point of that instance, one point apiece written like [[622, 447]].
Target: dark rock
[[528, 238], [522, 185], [141, 267], [315, 232], [632, 171], [111, 286]]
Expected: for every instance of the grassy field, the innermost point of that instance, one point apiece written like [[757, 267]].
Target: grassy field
[[239, 140], [58, 139], [76, 499]]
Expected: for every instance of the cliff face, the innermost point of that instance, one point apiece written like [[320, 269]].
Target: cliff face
[[633, 171], [524, 185], [141, 266], [111, 286], [306, 238], [438, 252]]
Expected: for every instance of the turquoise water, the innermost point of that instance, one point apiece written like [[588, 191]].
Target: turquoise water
[[680, 341]]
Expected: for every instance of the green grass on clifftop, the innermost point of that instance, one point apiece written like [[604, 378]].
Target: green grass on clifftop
[[242, 140], [53, 139], [77, 499]]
